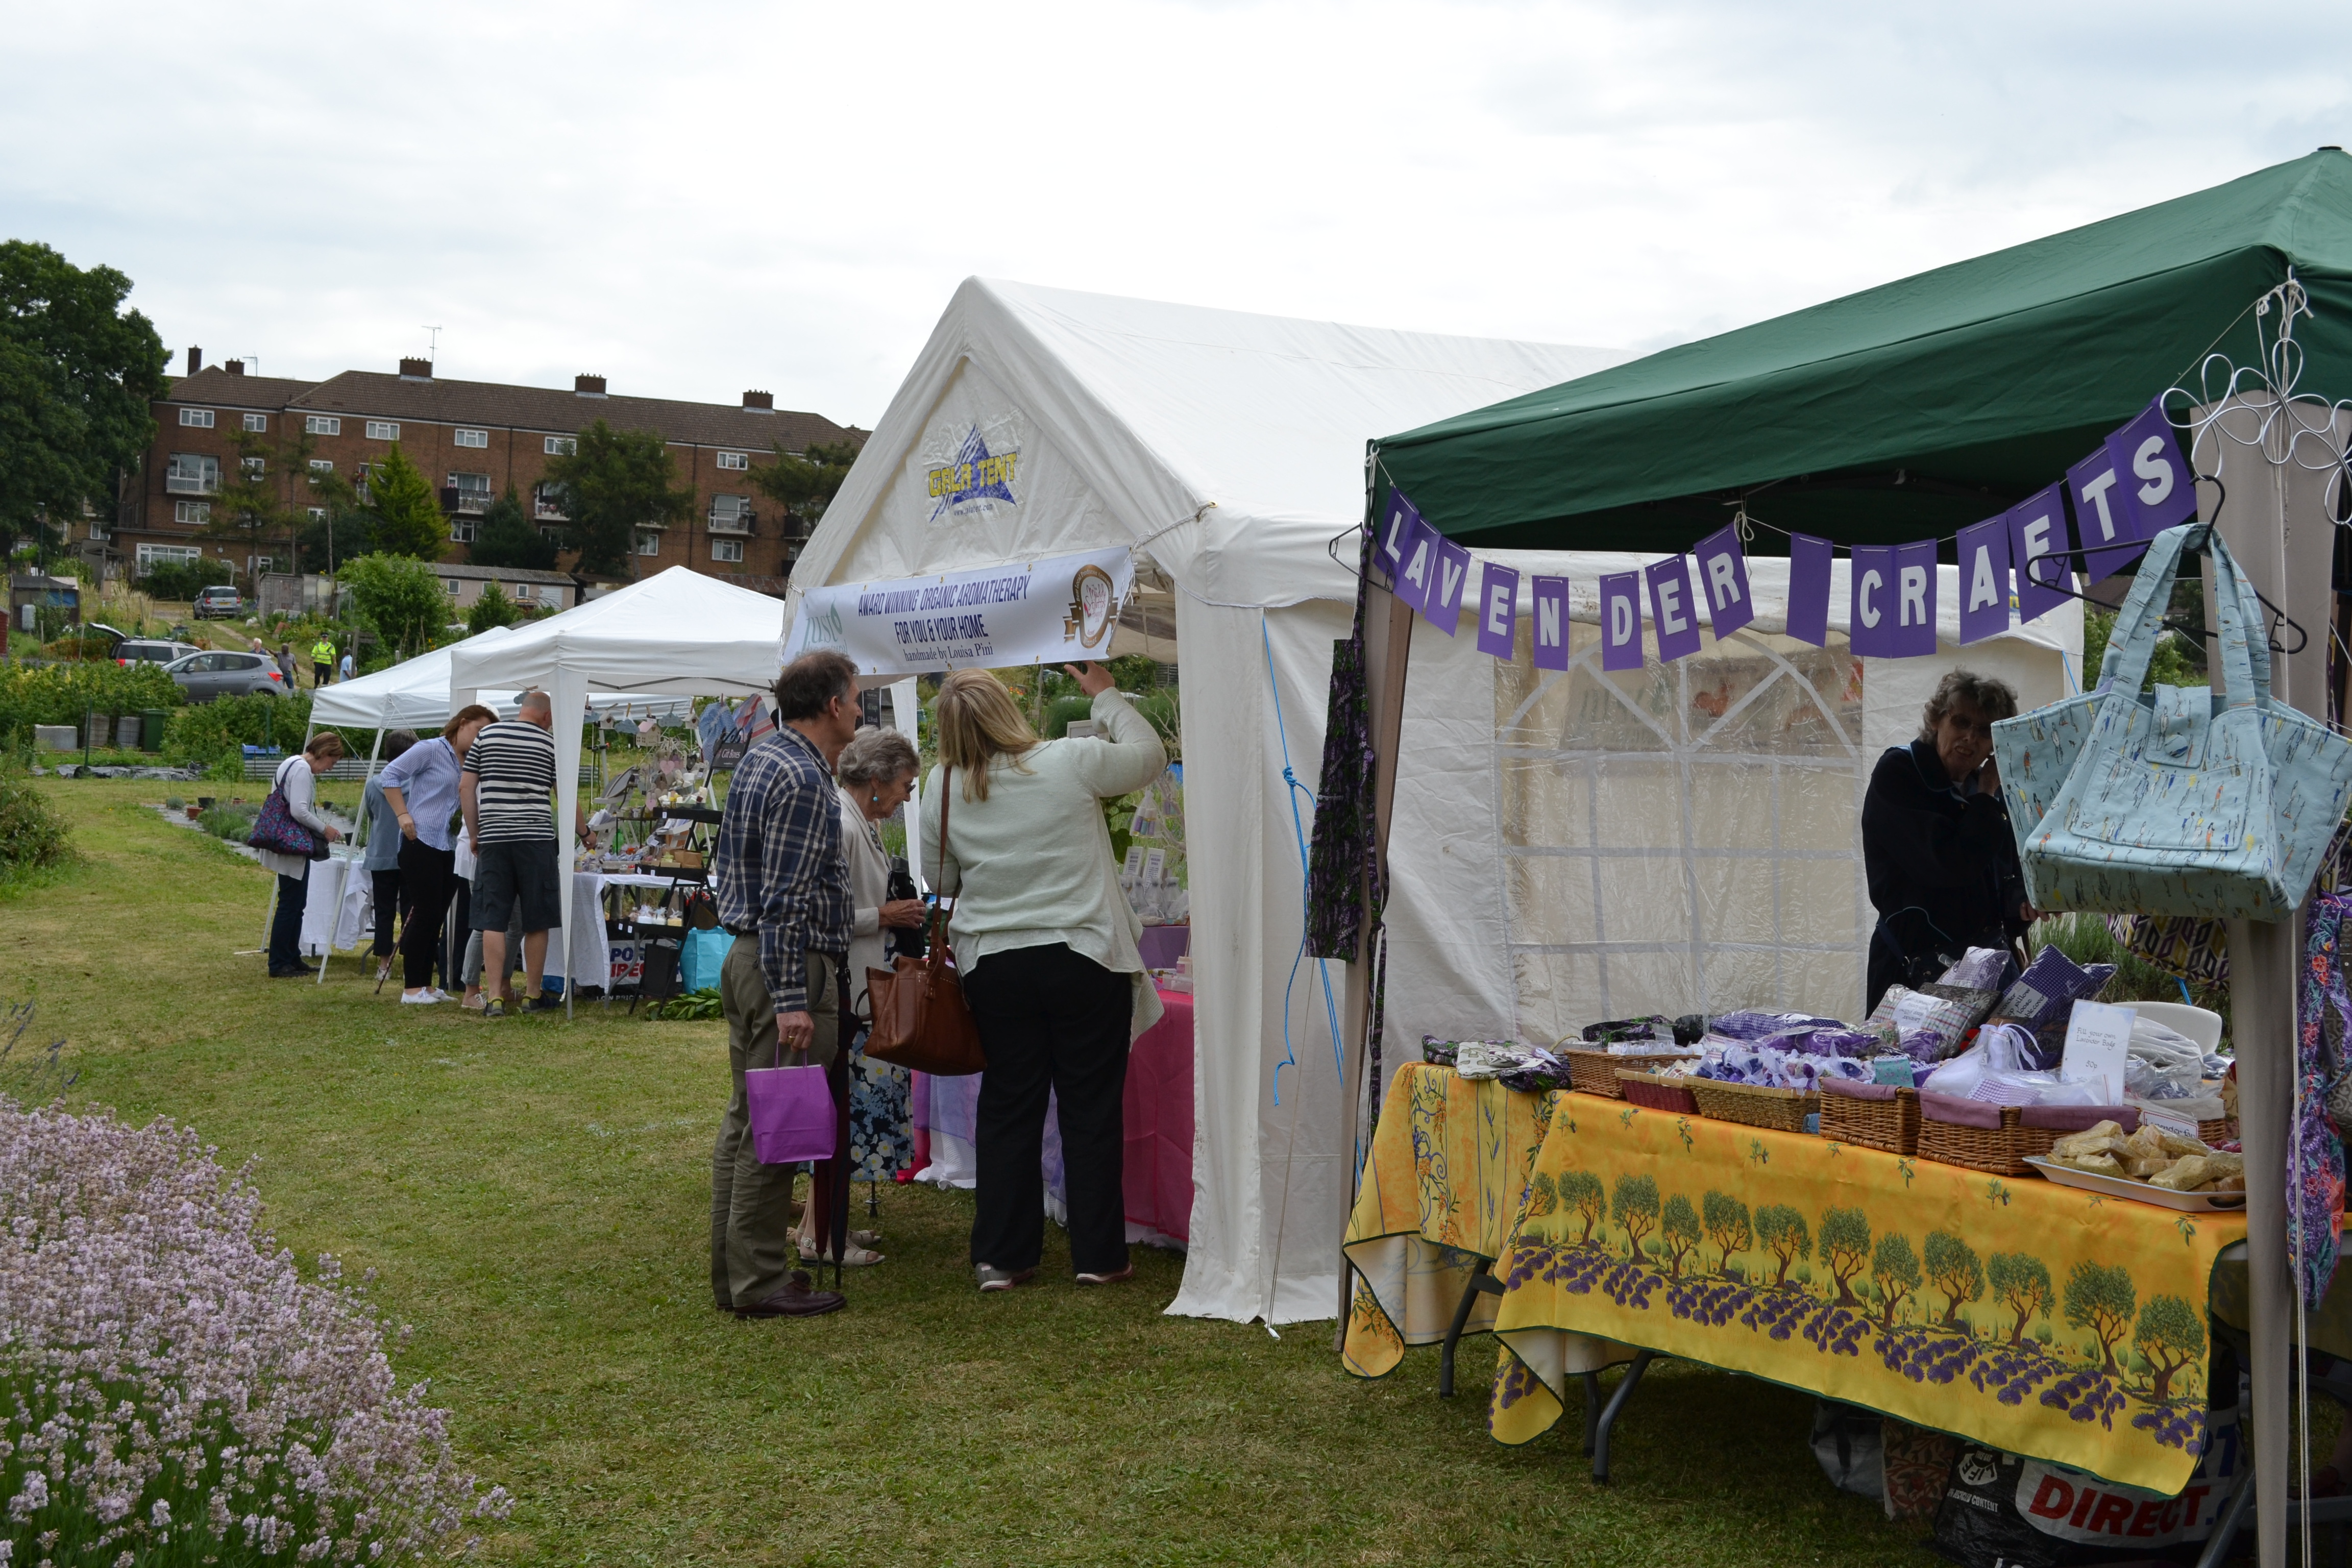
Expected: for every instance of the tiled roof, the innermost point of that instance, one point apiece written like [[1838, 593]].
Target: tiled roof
[[215, 386], [498, 574], [371, 393]]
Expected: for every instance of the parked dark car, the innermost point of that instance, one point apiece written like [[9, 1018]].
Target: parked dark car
[[220, 602], [152, 650], [205, 675]]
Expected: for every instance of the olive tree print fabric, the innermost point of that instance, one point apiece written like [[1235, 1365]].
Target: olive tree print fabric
[[2034, 1318]]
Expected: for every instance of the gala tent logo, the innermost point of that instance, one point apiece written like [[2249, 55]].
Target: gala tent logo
[[976, 477]]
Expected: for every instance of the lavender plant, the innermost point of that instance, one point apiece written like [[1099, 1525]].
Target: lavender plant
[[173, 1391]]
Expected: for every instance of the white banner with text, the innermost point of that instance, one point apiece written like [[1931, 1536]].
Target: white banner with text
[[1058, 609]]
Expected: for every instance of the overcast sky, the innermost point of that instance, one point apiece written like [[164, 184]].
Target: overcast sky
[[694, 199]]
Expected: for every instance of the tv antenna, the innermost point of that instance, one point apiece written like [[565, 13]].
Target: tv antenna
[[433, 352]]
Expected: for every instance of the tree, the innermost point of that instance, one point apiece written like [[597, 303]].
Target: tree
[[409, 520], [507, 537], [2101, 1298], [1845, 1248], [1953, 1269], [77, 374], [2171, 1335], [2023, 1284], [1679, 1231], [1726, 1226], [806, 482], [1895, 1269], [1782, 1231], [400, 598], [492, 609], [612, 483], [1636, 1207], [1581, 1195]]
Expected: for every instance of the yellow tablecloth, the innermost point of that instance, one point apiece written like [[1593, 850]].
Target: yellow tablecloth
[[2034, 1317], [1449, 1165]]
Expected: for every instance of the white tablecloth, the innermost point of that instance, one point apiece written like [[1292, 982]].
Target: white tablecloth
[[594, 948], [339, 906]]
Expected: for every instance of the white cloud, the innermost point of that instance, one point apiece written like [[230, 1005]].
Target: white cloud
[[698, 198]]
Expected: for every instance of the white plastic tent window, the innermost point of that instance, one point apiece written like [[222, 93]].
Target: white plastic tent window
[[1685, 836]]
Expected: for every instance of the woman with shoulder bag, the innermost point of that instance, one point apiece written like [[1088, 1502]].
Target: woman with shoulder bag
[[298, 780], [1044, 943]]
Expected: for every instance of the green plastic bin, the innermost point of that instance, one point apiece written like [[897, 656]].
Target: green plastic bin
[[151, 728]]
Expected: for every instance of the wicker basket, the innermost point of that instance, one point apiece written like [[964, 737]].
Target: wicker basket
[[1595, 1072], [1889, 1124], [1657, 1091], [1785, 1108], [1999, 1150], [2220, 1130]]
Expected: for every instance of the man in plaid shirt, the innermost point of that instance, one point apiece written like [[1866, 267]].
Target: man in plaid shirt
[[783, 889]]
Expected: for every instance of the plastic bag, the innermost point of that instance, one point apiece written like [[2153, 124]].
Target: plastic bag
[[1980, 969], [1945, 1020]]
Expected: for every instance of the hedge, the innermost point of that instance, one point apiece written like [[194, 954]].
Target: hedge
[[65, 693]]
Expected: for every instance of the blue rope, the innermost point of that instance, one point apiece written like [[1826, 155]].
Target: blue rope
[[1306, 888]]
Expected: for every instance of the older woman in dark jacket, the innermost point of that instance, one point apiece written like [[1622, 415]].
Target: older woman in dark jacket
[[1936, 839]]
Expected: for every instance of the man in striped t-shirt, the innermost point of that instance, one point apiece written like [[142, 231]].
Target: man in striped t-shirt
[[504, 791]]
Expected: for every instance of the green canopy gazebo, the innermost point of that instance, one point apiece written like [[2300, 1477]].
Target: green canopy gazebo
[[1911, 410]]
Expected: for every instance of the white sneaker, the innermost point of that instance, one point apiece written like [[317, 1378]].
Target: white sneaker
[[424, 998]]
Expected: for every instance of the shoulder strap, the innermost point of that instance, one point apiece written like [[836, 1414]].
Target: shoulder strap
[[947, 772]]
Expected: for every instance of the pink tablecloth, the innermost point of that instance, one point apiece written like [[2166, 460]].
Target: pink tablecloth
[[1157, 1166]]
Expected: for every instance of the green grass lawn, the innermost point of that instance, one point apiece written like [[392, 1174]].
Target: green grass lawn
[[534, 1195]]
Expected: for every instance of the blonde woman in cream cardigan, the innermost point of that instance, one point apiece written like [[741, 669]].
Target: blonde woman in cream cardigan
[[1045, 942]]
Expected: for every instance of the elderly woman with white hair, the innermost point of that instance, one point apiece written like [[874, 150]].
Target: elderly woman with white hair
[[876, 773]]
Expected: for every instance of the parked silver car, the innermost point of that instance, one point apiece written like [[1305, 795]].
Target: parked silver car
[[205, 675]]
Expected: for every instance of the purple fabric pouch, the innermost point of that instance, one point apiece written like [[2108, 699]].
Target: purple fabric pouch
[[1862, 1090], [2080, 1118], [1951, 1107]]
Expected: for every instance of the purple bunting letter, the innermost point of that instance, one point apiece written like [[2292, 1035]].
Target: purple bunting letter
[[1395, 535], [1915, 599], [1723, 576], [1498, 606], [2152, 473], [1672, 609], [2037, 527], [1419, 572], [1809, 588], [1984, 580], [1620, 621], [1870, 614], [2107, 526], [1551, 623], [1448, 578]]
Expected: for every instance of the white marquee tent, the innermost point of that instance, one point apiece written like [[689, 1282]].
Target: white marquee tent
[[1227, 450], [414, 694]]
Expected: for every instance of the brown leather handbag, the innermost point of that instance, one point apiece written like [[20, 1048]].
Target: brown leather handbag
[[920, 1020]]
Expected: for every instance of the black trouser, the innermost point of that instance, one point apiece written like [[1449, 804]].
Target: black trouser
[[286, 924], [425, 883], [1050, 1019], [386, 885]]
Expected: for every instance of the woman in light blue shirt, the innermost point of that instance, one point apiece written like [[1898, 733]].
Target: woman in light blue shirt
[[421, 790], [383, 851]]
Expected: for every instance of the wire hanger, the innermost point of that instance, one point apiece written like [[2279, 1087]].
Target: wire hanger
[[2280, 618]]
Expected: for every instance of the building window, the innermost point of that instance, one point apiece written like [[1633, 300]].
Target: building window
[[731, 514], [519, 592], [254, 467], [154, 555], [322, 424], [461, 532], [547, 504], [562, 446], [257, 422], [727, 550], [360, 473], [734, 460], [191, 474], [322, 464], [557, 535], [473, 437], [201, 418], [450, 584], [473, 492], [648, 541], [318, 514], [383, 430], [195, 513], [256, 564]]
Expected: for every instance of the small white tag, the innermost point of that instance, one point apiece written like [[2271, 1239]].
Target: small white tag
[[1911, 1014], [2098, 1039]]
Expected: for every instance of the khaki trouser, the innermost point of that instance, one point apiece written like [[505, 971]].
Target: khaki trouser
[[751, 1204]]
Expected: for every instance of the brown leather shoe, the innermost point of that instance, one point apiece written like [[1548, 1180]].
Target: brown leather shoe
[[796, 1299]]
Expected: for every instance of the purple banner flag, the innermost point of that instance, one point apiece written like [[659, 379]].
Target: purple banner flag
[[1551, 623], [1419, 573], [1723, 578], [1620, 621], [2037, 527], [2106, 525], [2152, 472], [1498, 609], [1870, 612], [1396, 533], [1448, 578], [1809, 588], [1984, 579], [1671, 607], [1915, 599]]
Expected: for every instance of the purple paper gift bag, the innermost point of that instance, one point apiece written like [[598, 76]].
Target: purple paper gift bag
[[1498, 605], [1673, 611], [791, 1114], [1551, 623]]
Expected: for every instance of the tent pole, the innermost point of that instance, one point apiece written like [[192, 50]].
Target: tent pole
[[1388, 641]]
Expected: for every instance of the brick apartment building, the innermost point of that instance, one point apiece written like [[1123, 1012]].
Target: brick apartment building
[[473, 439]]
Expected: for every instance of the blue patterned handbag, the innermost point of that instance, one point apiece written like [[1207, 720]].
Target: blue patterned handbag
[[2175, 802]]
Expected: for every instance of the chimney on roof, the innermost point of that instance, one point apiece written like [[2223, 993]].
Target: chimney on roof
[[233, 366], [415, 369], [195, 361], [759, 403], [588, 385]]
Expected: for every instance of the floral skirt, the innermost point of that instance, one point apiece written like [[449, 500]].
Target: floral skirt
[[881, 1136]]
